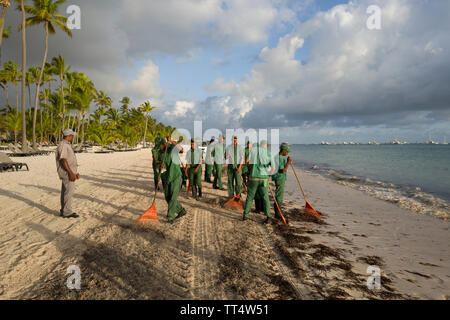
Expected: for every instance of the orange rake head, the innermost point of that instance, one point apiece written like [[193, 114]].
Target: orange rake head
[[309, 209], [149, 216], [235, 203]]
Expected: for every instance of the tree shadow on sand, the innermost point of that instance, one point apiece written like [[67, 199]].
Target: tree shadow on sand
[[114, 266], [29, 202]]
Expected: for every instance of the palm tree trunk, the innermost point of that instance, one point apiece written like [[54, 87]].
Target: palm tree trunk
[[82, 131], [145, 131], [2, 26], [7, 100], [38, 86], [61, 78], [29, 100], [17, 98], [24, 67]]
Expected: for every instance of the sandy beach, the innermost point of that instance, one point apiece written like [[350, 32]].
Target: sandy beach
[[210, 253]]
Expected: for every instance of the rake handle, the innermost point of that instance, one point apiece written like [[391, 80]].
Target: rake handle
[[276, 202], [300, 185]]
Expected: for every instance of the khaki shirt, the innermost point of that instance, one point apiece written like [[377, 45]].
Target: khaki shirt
[[65, 151]]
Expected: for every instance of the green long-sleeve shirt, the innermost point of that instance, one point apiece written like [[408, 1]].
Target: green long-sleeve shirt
[[261, 163], [171, 164], [281, 165]]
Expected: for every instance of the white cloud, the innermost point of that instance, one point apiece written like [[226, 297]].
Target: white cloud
[[181, 109], [352, 75], [178, 27], [146, 83]]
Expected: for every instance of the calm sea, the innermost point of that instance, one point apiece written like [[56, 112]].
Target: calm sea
[[416, 176]]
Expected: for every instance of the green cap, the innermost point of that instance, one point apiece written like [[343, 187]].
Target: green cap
[[235, 137], [285, 146], [159, 141], [192, 140]]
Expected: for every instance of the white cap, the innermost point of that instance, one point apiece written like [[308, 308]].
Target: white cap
[[69, 132]]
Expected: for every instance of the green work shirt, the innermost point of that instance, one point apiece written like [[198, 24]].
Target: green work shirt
[[171, 164], [193, 157], [209, 159], [219, 150], [155, 153], [246, 155], [261, 161], [235, 155], [281, 165]]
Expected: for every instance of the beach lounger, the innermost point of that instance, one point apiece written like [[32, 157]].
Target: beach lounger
[[7, 164], [16, 152]]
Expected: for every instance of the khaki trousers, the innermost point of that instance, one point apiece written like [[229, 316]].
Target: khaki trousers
[[67, 190]]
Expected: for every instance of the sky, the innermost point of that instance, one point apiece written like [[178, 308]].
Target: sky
[[310, 68]]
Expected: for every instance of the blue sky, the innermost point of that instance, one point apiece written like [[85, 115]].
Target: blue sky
[[187, 77], [311, 68]]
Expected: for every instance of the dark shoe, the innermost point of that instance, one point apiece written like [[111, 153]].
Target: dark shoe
[[267, 221], [182, 213], [199, 192], [73, 215], [170, 221], [244, 218]]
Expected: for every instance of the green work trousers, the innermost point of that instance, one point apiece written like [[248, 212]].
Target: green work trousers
[[254, 187], [234, 181], [171, 190], [208, 171], [195, 178], [279, 194], [218, 176]]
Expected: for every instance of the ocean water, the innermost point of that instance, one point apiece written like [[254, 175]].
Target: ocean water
[[415, 176]]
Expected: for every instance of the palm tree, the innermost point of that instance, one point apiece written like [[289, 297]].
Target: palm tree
[[146, 108], [24, 70], [114, 118], [12, 74], [102, 136], [45, 11], [5, 4], [31, 77], [5, 35], [82, 98], [59, 67], [12, 123], [103, 101], [125, 105]]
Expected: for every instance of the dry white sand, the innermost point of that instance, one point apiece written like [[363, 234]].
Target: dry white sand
[[210, 253]]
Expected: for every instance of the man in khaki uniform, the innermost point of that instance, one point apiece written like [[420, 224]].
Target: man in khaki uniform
[[67, 168]]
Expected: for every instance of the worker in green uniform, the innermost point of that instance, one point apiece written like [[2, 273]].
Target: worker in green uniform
[[245, 168], [156, 161], [235, 158], [194, 170], [219, 151], [258, 198], [280, 177], [209, 160], [171, 177], [261, 163]]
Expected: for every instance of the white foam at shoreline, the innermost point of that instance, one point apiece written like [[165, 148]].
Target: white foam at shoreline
[[411, 198]]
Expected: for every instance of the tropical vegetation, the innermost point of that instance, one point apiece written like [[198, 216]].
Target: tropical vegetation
[[39, 111]]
